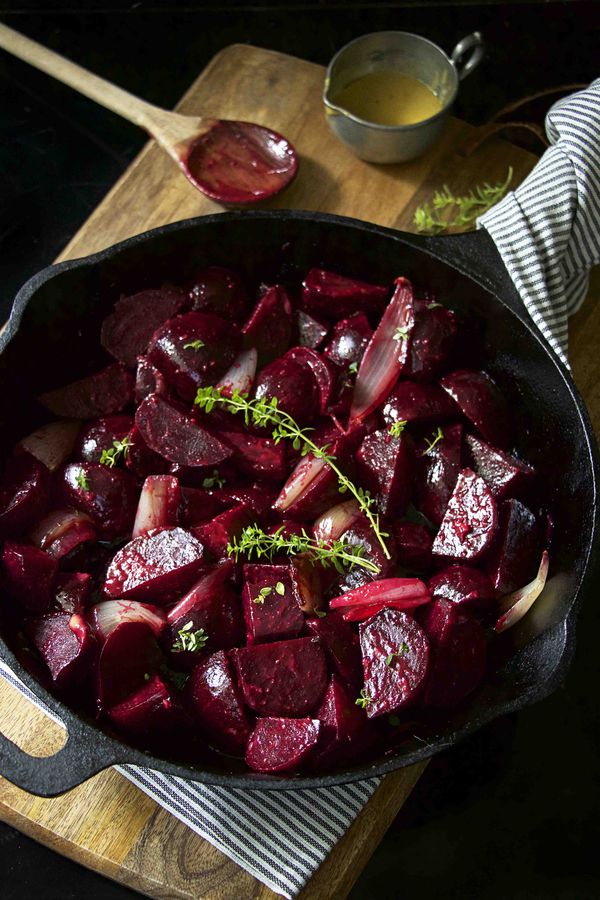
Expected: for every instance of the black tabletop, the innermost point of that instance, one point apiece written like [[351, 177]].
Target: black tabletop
[[513, 811]]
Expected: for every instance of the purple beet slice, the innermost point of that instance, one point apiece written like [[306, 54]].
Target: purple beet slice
[[413, 545], [149, 710], [280, 744], [385, 467], [432, 342], [219, 291], [218, 534], [158, 566], [71, 591], [311, 331], [52, 444], [24, 493], [504, 473], [348, 341], [514, 559], [343, 725], [438, 472], [148, 380], [294, 385], [481, 402], [287, 678], [469, 525], [65, 643], [269, 327], [129, 657], [192, 350], [215, 702], [271, 604], [176, 436], [341, 646], [463, 586], [458, 660], [140, 459], [28, 575], [413, 402], [102, 394], [255, 455], [99, 435], [126, 332], [395, 653], [335, 296], [108, 496]]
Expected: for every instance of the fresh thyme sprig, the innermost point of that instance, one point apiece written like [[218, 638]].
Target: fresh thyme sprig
[[213, 480], [363, 699], [448, 211], [253, 541], [396, 428], [194, 345], [190, 640], [435, 439], [400, 652], [265, 413], [82, 481], [110, 457]]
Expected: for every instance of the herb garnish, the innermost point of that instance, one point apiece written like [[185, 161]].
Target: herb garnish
[[320, 613], [264, 413], [280, 588], [194, 345], [459, 212], [262, 594], [189, 640], [363, 699], [435, 439], [110, 457], [401, 334], [254, 541], [213, 480], [403, 649], [353, 368], [396, 428], [82, 481]]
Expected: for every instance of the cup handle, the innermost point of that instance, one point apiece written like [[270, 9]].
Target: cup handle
[[472, 42]]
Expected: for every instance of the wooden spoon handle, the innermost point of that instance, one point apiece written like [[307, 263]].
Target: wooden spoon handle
[[103, 92]]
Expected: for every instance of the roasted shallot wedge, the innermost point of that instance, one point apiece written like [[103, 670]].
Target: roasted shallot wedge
[[107, 616], [515, 605], [240, 377], [335, 521], [52, 444], [158, 504], [402, 593]]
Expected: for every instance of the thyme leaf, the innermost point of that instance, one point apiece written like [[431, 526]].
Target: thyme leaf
[[110, 457], [449, 211]]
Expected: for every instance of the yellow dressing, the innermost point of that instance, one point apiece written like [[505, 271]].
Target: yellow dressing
[[388, 98]]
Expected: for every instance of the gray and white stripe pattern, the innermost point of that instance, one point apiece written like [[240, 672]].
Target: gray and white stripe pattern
[[548, 230]]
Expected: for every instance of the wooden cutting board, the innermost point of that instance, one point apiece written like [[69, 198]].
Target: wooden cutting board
[[107, 824]]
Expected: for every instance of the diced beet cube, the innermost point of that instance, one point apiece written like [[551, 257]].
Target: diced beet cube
[[149, 710], [458, 660], [65, 643], [281, 745], [199, 506], [462, 585], [349, 340], [148, 380], [469, 525], [255, 455], [129, 657], [438, 619], [271, 607], [176, 436], [293, 384], [99, 435], [413, 545], [158, 505], [102, 394], [61, 531], [311, 331], [219, 291], [414, 402], [306, 580], [140, 459], [515, 556], [108, 496], [269, 327], [395, 653], [325, 373], [158, 566], [258, 497], [287, 678], [334, 296], [24, 493], [481, 402], [215, 702], [341, 645], [71, 591], [343, 725], [29, 575], [109, 614], [126, 332], [503, 473], [52, 444], [192, 350], [218, 534], [385, 467], [438, 472], [432, 342]]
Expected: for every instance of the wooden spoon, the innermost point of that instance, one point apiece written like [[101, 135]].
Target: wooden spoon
[[234, 163]]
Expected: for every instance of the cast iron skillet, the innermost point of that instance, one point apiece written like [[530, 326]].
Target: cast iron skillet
[[52, 338]]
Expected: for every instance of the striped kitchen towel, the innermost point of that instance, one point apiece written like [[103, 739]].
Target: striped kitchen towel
[[548, 233], [548, 230]]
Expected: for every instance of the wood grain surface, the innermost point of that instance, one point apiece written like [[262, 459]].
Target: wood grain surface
[[107, 824]]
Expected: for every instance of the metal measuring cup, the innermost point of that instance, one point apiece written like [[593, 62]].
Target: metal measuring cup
[[412, 55]]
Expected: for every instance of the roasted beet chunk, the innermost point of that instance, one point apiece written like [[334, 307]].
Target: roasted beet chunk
[[440, 464], [385, 466], [215, 702], [218, 534], [148, 380], [24, 492], [334, 296], [65, 644], [362, 535], [126, 331], [148, 711], [432, 341], [462, 585], [293, 384], [481, 402], [341, 645], [140, 459], [458, 654], [220, 291], [71, 591], [504, 474], [325, 373], [411, 401], [395, 655], [28, 575], [287, 678], [108, 496], [158, 566], [256, 455], [269, 328], [95, 437], [413, 544], [515, 557], [343, 725], [129, 658], [102, 394], [177, 437], [470, 522], [281, 745], [349, 340], [193, 350], [311, 331], [271, 605]]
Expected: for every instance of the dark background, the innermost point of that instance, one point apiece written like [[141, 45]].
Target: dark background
[[512, 812]]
